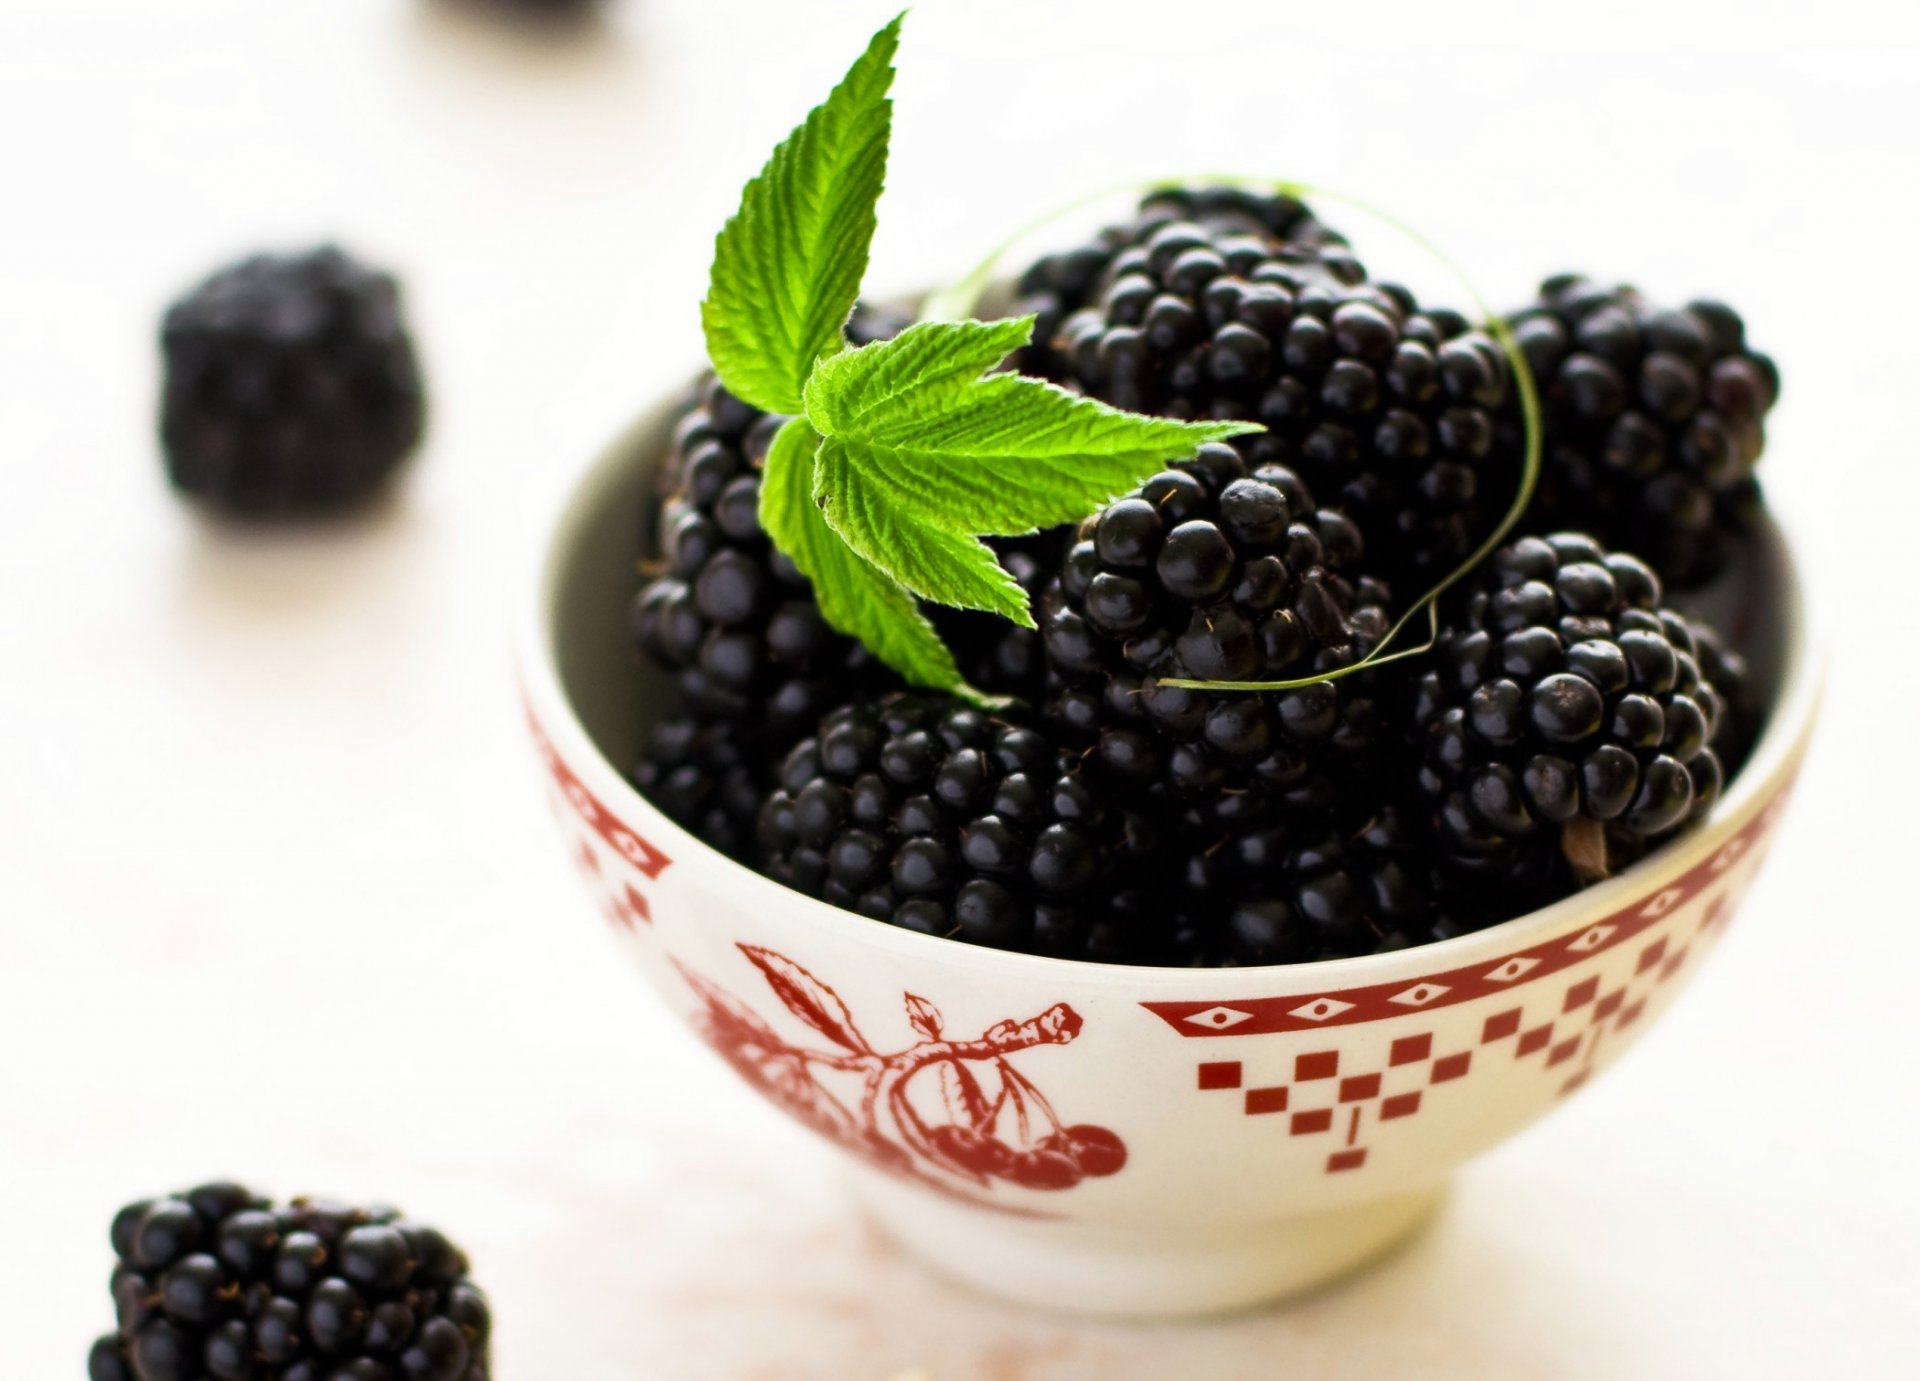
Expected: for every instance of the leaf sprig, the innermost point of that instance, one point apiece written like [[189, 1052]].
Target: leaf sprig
[[901, 455]]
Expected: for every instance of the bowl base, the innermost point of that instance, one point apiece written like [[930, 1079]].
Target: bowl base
[[1145, 1272]]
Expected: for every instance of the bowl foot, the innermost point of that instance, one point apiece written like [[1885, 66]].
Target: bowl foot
[[1140, 1272]]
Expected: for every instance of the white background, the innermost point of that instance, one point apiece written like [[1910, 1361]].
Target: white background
[[277, 896]]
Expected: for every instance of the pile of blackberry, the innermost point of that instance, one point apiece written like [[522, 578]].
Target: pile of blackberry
[[1567, 720], [221, 1285]]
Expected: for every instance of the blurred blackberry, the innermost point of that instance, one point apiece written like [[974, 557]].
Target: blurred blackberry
[[1250, 224], [1566, 708], [705, 780], [1654, 421], [1385, 409], [922, 813], [993, 653], [1215, 572], [219, 1284], [291, 385], [730, 616]]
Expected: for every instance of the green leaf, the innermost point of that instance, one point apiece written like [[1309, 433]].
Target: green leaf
[[946, 567], [787, 266], [854, 597], [923, 455]]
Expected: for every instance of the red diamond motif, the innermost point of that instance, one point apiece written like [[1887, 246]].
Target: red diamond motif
[[1651, 955], [1317, 1064], [1631, 1013], [639, 905], [1306, 1123], [1216, 1074], [1359, 1088], [1400, 1105], [1450, 1067], [1500, 1025], [1410, 1049], [1347, 1160], [1563, 1052], [1581, 993], [1533, 1040], [1261, 1100], [1609, 1004]]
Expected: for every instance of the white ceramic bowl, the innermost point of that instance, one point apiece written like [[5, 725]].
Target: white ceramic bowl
[[1240, 1134]]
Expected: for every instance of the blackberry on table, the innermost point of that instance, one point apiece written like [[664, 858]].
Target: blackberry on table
[[1654, 421], [1387, 410], [1565, 709], [923, 813], [291, 385], [1215, 571], [219, 1284], [731, 617]]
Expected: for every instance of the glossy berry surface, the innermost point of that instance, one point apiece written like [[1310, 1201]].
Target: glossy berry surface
[[290, 387], [1249, 224], [1654, 421], [1386, 409], [1216, 571], [923, 813], [1563, 692], [219, 1285]]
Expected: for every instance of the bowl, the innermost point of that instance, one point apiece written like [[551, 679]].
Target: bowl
[[1116, 1140]]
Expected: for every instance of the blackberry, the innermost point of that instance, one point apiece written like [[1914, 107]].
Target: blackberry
[[1654, 420], [1251, 224], [219, 1284], [1214, 571], [1287, 895], [291, 385], [730, 616], [1565, 707], [1386, 409], [926, 814], [705, 780]]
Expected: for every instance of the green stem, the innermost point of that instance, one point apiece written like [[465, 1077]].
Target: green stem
[[960, 300]]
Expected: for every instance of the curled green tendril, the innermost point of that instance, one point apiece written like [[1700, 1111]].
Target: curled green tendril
[[960, 300]]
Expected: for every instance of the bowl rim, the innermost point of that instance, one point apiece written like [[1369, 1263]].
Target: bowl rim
[[563, 505]]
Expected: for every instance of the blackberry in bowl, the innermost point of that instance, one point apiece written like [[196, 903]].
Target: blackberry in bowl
[[1460, 1025]]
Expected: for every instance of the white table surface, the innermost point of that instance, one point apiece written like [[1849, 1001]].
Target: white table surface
[[278, 898]]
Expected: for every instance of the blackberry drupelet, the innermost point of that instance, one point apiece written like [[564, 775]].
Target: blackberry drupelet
[[1387, 410], [1654, 421], [705, 780], [291, 385], [1565, 708], [1249, 224], [732, 618], [923, 813], [1214, 571], [219, 1284]]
